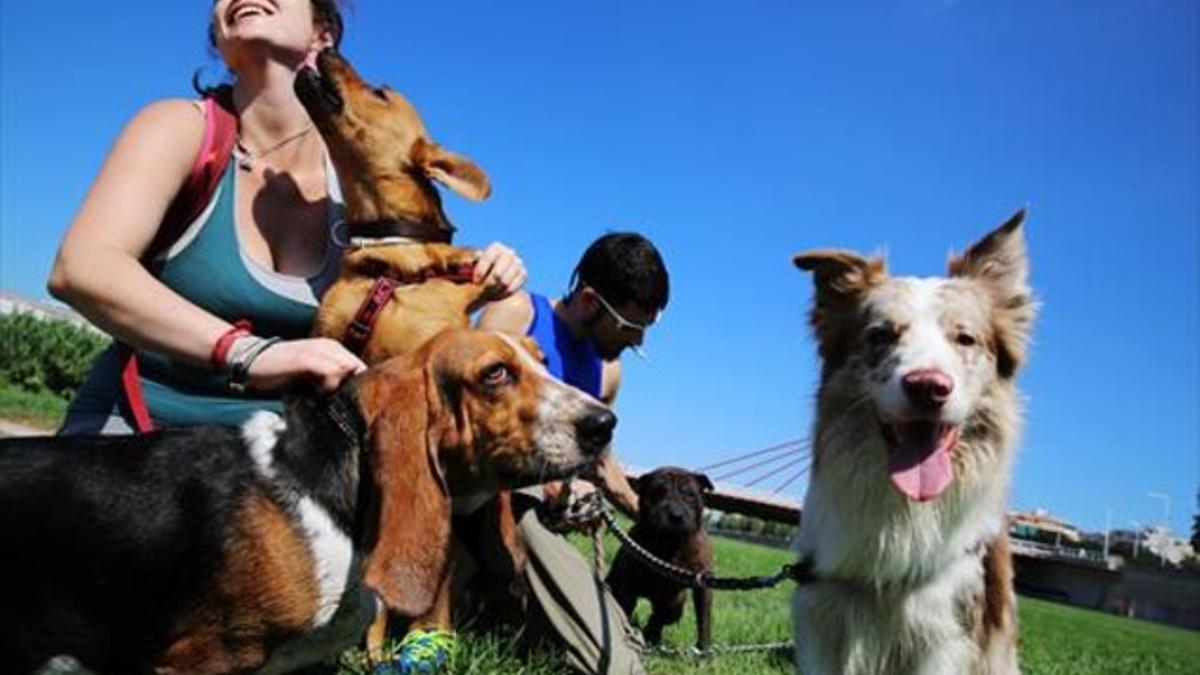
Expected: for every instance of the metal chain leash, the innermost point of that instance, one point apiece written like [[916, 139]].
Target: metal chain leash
[[717, 650], [586, 513], [800, 571]]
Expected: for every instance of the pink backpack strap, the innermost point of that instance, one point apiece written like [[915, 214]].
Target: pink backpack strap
[[220, 134]]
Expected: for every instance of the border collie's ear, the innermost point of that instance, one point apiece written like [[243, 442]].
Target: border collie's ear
[[841, 278], [407, 563], [705, 483], [1000, 261], [452, 170]]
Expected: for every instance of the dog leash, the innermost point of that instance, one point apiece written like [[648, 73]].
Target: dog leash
[[584, 511]]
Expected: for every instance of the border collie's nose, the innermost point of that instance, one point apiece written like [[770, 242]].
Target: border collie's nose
[[928, 388], [595, 428]]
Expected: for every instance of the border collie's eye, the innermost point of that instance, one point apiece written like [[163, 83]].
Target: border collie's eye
[[882, 335], [380, 93], [497, 375], [965, 339]]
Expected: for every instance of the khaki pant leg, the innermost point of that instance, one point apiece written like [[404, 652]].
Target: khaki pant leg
[[576, 606]]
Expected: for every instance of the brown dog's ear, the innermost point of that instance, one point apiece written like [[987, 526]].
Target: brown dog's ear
[[452, 170], [705, 483], [841, 279], [408, 562], [1001, 262]]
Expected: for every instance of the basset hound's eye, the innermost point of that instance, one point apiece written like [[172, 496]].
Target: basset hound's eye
[[497, 375], [380, 93], [965, 339]]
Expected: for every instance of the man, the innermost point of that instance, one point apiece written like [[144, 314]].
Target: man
[[617, 291]]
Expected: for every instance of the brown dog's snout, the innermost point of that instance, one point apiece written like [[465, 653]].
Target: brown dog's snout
[[594, 429], [928, 388]]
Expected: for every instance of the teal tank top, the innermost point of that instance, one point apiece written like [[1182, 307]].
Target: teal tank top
[[209, 267]]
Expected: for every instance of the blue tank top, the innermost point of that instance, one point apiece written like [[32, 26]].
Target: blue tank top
[[210, 268], [571, 360]]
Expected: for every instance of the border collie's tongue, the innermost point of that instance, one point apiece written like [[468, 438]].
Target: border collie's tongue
[[920, 462]]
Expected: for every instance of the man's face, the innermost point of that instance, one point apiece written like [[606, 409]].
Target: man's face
[[616, 327]]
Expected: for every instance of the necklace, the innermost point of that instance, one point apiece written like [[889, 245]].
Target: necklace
[[246, 159]]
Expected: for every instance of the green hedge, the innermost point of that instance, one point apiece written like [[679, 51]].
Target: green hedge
[[46, 355]]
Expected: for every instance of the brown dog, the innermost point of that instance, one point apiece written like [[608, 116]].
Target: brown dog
[[400, 282], [671, 526], [386, 165]]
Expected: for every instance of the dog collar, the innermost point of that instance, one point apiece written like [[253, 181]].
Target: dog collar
[[359, 330], [402, 228]]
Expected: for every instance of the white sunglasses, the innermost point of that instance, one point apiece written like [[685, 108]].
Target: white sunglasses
[[626, 324]]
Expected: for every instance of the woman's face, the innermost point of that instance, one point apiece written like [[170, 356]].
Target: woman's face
[[242, 27]]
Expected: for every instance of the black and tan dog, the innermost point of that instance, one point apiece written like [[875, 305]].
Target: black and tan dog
[[671, 526], [263, 548]]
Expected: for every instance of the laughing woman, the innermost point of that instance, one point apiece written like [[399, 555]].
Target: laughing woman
[[260, 249]]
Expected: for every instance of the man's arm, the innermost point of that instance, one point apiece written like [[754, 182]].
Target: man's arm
[[512, 315]]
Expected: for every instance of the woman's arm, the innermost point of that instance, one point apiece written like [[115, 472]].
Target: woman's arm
[[97, 270]]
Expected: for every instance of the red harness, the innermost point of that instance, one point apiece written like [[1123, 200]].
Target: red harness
[[359, 330]]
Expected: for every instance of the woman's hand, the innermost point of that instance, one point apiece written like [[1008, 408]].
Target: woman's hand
[[500, 267], [322, 361]]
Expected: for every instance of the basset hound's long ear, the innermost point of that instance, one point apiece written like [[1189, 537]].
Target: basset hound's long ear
[[452, 170], [408, 563]]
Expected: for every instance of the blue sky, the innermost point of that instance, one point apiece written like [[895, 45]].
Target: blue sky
[[735, 134]]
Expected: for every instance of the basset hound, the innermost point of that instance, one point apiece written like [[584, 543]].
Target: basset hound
[[267, 547]]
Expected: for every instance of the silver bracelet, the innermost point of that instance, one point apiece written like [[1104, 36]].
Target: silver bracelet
[[242, 354]]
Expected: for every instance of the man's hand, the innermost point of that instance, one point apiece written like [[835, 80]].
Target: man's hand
[[500, 267]]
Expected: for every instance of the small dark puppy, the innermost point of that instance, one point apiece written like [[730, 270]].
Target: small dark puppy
[[671, 526]]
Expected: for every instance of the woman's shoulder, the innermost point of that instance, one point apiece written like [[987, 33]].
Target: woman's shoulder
[[173, 125], [180, 117]]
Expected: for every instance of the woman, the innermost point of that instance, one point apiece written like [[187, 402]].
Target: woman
[[261, 251]]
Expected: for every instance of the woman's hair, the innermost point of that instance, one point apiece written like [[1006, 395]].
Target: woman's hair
[[326, 13]]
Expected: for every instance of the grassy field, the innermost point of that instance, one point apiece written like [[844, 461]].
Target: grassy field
[[1055, 639]]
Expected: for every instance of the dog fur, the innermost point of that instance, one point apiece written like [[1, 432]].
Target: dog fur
[[917, 418]]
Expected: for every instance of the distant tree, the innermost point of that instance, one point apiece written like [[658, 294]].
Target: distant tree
[[1196, 525]]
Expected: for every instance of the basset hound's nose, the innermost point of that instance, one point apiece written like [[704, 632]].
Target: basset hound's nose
[[594, 429]]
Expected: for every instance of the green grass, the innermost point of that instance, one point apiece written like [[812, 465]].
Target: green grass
[[1060, 640], [1055, 639], [42, 409]]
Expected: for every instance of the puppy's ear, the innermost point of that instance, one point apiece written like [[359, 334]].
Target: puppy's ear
[[407, 564], [841, 278], [452, 170], [1000, 262], [637, 483], [705, 484]]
